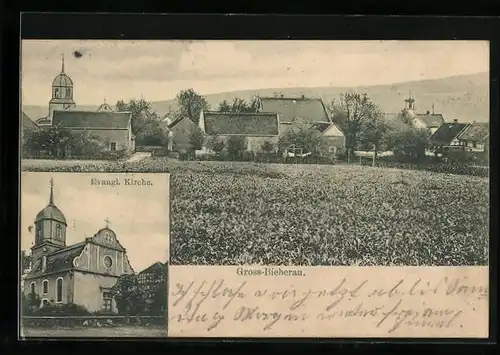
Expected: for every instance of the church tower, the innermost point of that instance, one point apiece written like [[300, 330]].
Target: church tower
[[50, 229], [409, 109], [62, 92]]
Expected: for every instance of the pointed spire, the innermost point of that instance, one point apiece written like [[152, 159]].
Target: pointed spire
[[51, 201], [104, 100], [107, 222], [433, 108], [62, 62]]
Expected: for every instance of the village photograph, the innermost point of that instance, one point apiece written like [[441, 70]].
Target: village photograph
[[93, 258], [299, 153]]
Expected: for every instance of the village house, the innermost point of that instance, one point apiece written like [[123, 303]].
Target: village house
[[153, 281], [275, 116], [445, 138], [180, 130], [475, 137], [256, 128], [304, 110], [82, 273], [27, 126]]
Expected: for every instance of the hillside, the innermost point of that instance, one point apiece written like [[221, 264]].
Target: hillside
[[464, 97]]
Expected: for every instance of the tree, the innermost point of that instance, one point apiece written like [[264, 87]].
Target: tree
[[406, 141], [86, 144], [145, 122], [215, 144], [196, 138], [239, 105], [236, 146], [25, 261], [356, 114], [191, 104], [305, 137], [267, 147], [52, 139], [128, 295]]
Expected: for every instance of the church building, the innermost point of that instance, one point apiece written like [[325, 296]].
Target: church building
[[82, 273], [114, 129]]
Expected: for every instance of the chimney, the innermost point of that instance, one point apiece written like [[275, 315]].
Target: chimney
[[303, 96], [455, 121], [428, 112]]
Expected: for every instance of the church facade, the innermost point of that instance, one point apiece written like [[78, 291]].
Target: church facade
[[114, 129], [82, 273]]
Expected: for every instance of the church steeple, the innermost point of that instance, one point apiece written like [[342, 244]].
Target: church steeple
[[62, 92], [51, 201], [410, 102]]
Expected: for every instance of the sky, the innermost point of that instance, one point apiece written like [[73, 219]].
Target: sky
[[158, 70], [138, 215]]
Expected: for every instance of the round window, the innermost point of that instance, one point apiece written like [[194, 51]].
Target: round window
[[108, 262]]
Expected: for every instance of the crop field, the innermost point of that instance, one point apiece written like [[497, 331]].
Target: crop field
[[246, 213]]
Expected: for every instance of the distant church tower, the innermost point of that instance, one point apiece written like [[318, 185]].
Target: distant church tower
[[409, 106], [50, 229], [62, 92]]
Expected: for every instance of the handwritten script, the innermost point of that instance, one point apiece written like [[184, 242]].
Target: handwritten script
[[395, 308]]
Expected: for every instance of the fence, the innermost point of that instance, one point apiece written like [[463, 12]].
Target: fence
[[91, 321]]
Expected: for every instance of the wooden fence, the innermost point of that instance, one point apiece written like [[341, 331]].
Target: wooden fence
[[91, 321]]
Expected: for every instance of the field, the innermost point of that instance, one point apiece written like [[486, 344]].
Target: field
[[119, 332], [245, 213]]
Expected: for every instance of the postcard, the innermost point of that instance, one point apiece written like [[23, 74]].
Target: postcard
[[333, 189], [94, 254]]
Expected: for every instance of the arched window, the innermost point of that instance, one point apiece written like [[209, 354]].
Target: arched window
[[58, 231], [45, 286], [32, 288], [68, 93], [56, 93], [59, 289]]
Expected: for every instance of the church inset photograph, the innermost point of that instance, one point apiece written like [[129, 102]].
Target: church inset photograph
[[94, 254]]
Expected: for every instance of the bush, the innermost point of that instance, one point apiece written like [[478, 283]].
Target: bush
[[62, 310], [114, 154]]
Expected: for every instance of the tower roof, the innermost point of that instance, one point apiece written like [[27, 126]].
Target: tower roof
[[51, 211], [62, 79]]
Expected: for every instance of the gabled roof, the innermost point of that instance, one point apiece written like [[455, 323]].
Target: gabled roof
[[239, 123], [27, 123], [446, 133], [309, 109], [178, 120], [321, 126], [475, 132], [156, 267], [89, 119], [60, 260], [431, 120]]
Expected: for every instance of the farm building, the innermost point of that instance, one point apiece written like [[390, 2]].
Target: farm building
[[82, 273], [446, 137], [113, 128], [256, 128], [27, 125], [153, 282], [275, 117], [475, 137], [179, 132]]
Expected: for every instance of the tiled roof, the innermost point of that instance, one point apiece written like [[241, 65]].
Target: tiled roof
[[89, 119], [476, 132], [156, 267], [251, 124], [58, 261], [431, 120], [27, 123], [446, 133], [177, 120], [309, 109]]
